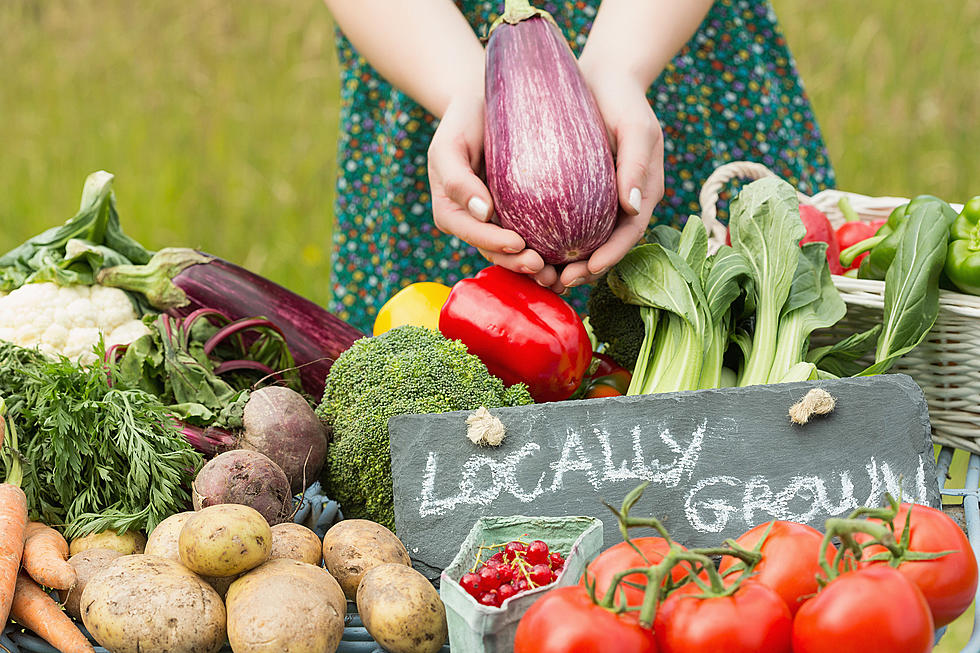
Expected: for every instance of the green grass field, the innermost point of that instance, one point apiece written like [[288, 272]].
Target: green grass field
[[219, 118]]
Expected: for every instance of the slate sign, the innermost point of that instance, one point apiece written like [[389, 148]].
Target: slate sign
[[718, 462]]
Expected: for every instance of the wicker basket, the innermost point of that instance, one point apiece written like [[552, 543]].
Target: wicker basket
[[946, 365]]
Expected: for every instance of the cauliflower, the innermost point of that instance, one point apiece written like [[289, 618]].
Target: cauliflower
[[68, 320]]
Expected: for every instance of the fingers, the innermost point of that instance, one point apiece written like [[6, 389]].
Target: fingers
[[526, 262], [576, 274], [461, 203], [639, 164], [452, 219]]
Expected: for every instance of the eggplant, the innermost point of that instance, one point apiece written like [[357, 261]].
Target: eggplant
[[549, 166], [180, 281]]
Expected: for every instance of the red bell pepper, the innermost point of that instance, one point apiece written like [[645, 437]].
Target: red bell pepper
[[522, 332], [819, 229]]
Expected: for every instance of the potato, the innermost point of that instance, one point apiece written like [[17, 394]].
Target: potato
[[86, 564], [401, 610], [286, 605], [354, 546], [295, 542], [224, 540], [163, 539], [126, 544], [164, 542], [149, 604]]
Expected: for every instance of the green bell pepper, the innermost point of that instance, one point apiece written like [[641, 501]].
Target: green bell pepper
[[963, 257], [884, 243]]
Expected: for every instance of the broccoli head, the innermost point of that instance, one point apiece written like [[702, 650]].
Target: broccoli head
[[615, 323], [408, 370]]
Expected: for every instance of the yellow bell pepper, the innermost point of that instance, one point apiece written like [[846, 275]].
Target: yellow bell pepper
[[417, 304]]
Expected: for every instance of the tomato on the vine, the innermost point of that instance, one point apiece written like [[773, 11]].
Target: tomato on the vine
[[869, 609], [948, 583], [566, 620], [754, 619], [622, 556], [790, 559]]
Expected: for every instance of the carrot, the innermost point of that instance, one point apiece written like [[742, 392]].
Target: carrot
[[13, 519], [35, 610], [45, 557]]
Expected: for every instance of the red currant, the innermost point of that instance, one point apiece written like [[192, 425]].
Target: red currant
[[506, 573], [556, 561], [491, 598], [506, 591], [521, 585], [537, 552], [490, 578], [541, 575], [513, 549], [496, 559], [472, 584]]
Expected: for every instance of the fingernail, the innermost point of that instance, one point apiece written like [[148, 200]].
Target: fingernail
[[525, 270], [575, 282], [635, 199], [481, 210], [510, 250], [542, 284], [602, 271]]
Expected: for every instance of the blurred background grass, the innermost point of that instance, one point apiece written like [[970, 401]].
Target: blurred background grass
[[219, 118]]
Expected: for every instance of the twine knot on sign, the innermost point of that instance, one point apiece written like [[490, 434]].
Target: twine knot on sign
[[485, 428], [816, 402]]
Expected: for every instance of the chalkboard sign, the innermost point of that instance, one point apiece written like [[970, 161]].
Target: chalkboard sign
[[718, 462]]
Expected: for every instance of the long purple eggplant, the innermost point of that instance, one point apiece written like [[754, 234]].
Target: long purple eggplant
[[549, 165], [180, 281]]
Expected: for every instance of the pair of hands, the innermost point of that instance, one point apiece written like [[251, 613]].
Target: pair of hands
[[461, 202]]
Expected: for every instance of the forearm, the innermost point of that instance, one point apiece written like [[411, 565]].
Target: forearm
[[638, 38], [425, 48]]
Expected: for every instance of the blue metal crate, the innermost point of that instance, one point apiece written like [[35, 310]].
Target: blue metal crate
[[966, 499], [319, 514]]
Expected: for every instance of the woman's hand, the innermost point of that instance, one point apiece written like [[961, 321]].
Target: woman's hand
[[461, 203], [638, 147]]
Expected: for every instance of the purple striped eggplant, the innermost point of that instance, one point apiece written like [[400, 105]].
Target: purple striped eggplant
[[180, 281], [548, 163]]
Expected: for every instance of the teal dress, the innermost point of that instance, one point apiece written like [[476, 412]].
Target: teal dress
[[732, 93]]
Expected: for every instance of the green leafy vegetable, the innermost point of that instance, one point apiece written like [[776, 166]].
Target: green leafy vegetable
[[814, 303], [74, 252], [94, 457], [766, 229], [912, 284]]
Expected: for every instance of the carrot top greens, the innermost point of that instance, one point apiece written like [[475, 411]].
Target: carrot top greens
[[94, 457]]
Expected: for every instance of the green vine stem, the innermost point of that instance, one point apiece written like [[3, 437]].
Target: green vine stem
[[881, 532], [517, 10], [698, 559]]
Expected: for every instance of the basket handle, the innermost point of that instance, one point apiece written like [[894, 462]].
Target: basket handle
[[711, 190]]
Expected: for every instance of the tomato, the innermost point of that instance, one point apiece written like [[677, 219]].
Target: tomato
[[608, 380], [949, 583], [598, 389], [565, 620], [790, 559], [870, 609], [621, 557], [752, 620]]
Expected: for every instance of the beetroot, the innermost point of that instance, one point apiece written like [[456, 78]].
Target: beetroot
[[280, 423], [245, 477]]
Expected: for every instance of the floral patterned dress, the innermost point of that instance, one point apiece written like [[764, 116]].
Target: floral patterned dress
[[732, 93]]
